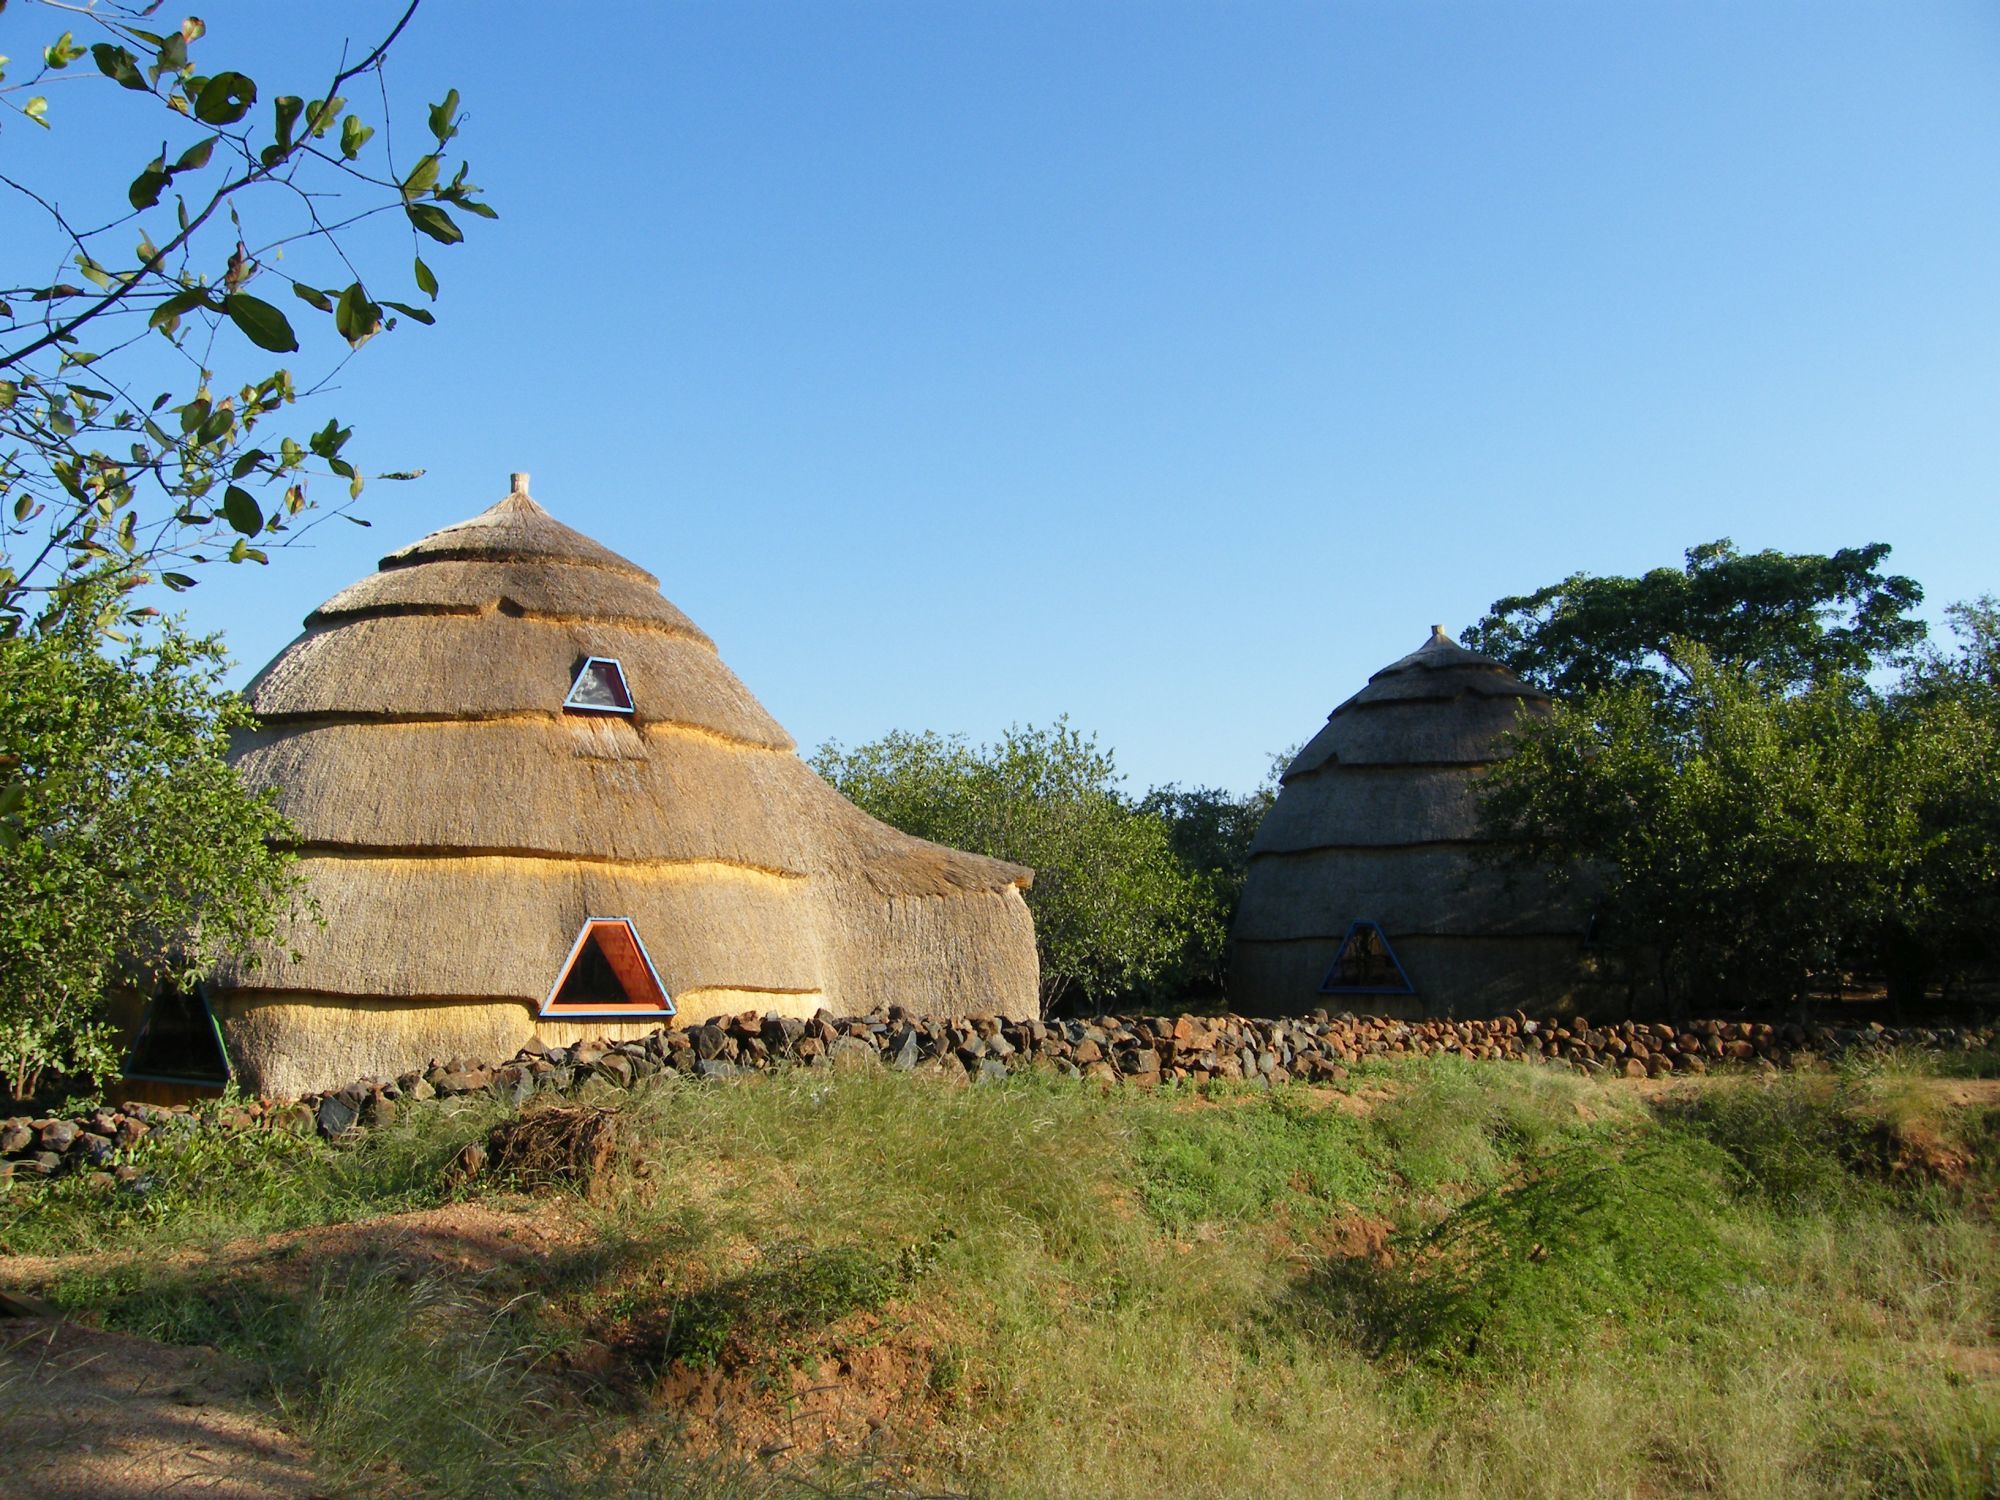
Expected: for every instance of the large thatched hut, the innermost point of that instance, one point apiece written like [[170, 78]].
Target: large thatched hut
[[1365, 889], [530, 798]]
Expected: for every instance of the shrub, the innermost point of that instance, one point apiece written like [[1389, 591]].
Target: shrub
[[1525, 1271], [132, 848]]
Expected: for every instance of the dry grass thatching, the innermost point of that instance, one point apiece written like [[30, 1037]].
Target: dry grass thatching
[[457, 826], [1378, 821]]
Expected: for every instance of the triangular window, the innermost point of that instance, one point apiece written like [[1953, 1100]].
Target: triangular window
[[599, 688], [608, 973], [1366, 965], [179, 1042]]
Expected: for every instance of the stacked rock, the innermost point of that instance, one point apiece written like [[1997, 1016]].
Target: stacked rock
[[1141, 1050]]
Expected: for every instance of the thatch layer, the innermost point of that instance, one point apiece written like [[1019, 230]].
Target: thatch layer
[[1461, 729], [1542, 975], [515, 588], [283, 1041], [1378, 821], [1389, 806], [481, 666], [447, 927], [604, 787], [458, 827], [1430, 888], [937, 954], [515, 530]]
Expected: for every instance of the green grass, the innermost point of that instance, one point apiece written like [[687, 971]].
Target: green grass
[[1243, 1161], [1474, 1279], [202, 1187]]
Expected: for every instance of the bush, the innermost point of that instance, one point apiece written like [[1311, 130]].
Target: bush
[[132, 850], [1113, 906], [1525, 1271]]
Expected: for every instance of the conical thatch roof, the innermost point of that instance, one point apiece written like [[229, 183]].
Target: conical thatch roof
[[458, 825], [1377, 822]]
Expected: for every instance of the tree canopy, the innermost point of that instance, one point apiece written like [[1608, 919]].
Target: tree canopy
[[1757, 818], [133, 849], [142, 405], [1113, 907], [1794, 618]]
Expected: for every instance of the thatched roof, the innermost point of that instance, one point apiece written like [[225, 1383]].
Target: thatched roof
[[1377, 821], [1396, 721], [458, 825]]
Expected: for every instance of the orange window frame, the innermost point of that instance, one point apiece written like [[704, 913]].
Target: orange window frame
[[617, 938]]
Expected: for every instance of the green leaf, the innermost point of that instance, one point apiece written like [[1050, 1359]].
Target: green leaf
[[427, 283], [35, 109], [357, 318], [288, 108], [434, 222], [170, 54], [353, 136], [168, 313], [312, 295], [322, 113], [224, 99], [410, 312], [63, 53], [261, 323], [178, 582], [119, 65], [423, 176], [149, 184], [329, 440], [241, 510], [442, 124]]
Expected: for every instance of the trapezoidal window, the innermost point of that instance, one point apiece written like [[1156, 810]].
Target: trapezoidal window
[[599, 688], [179, 1042], [1366, 965], [608, 973]]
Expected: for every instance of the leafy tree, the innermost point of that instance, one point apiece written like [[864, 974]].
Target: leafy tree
[[1951, 702], [1210, 832], [1112, 905], [1794, 618], [137, 394], [1750, 841], [134, 849]]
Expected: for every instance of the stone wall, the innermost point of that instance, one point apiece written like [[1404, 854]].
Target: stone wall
[[1145, 1051]]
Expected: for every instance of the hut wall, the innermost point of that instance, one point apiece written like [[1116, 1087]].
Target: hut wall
[[950, 955], [1455, 976], [287, 1043], [1408, 889], [1378, 820], [501, 926]]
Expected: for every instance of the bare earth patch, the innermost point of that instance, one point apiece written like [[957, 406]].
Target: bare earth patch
[[90, 1415]]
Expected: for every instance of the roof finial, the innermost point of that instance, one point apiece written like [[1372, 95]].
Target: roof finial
[[517, 484], [1437, 631]]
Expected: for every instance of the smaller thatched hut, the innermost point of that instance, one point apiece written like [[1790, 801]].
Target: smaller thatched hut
[[1366, 891]]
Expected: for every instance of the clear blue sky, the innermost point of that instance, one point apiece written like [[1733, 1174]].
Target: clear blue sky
[[1176, 366]]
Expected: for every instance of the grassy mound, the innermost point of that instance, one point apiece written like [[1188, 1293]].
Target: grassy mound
[[1436, 1279]]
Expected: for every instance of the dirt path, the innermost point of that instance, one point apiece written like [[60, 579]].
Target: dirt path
[[89, 1415]]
